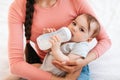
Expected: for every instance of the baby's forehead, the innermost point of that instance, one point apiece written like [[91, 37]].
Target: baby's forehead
[[82, 21], [90, 21]]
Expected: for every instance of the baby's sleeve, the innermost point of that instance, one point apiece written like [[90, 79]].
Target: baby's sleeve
[[81, 49]]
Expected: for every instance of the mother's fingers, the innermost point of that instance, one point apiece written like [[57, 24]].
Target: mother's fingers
[[71, 63], [65, 68]]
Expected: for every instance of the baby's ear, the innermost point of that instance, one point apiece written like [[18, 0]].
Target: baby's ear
[[90, 39]]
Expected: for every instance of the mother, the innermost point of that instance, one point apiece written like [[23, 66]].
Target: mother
[[39, 14]]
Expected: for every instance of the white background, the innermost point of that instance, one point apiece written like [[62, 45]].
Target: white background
[[107, 67]]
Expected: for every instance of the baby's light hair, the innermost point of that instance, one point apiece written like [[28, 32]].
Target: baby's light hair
[[92, 20]]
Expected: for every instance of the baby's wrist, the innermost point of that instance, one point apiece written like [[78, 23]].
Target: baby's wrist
[[55, 49]]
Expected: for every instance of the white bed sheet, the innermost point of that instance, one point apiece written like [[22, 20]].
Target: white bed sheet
[[107, 67]]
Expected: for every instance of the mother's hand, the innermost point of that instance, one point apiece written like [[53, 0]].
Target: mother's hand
[[70, 66]]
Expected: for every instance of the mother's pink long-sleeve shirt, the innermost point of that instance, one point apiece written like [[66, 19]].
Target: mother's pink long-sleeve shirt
[[60, 14]]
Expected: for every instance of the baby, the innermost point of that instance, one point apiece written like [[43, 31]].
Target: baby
[[83, 29]]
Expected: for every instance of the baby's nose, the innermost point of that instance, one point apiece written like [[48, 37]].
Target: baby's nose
[[75, 29]]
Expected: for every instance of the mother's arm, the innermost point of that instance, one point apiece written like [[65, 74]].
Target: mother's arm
[[103, 41]]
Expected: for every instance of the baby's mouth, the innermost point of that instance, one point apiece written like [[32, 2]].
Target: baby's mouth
[[71, 33]]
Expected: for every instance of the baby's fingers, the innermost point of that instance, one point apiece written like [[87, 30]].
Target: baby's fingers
[[48, 30]]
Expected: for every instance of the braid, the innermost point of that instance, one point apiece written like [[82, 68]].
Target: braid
[[28, 18], [30, 53]]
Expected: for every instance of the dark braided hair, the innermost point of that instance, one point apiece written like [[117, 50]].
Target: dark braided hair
[[28, 18], [30, 53]]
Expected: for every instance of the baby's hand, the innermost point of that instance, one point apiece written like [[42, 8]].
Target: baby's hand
[[48, 30], [56, 42]]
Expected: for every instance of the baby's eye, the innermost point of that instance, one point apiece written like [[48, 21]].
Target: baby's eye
[[74, 23], [81, 29]]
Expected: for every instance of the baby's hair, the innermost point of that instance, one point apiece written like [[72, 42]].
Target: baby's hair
[[91, 19]]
